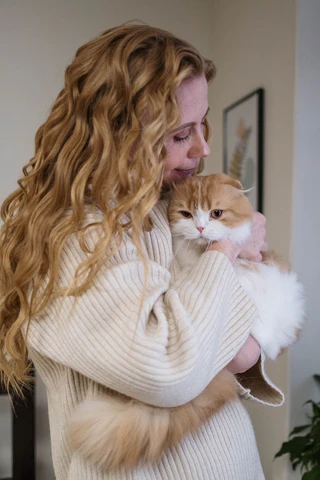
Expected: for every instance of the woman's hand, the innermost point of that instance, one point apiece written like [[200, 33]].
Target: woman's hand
[[229, 249], [247, 356], [252, 248]]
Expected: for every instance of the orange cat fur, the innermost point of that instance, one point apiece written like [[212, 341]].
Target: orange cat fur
[[118, 431]]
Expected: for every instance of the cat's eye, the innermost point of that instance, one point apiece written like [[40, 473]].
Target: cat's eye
[[216, 213], [186, 214]]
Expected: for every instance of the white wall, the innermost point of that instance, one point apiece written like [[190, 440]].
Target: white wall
[[253, 45], [38, 39], [305, 357]]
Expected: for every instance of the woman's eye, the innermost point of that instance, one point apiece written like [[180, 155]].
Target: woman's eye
[[178, 139], [216, 213], [186, 214]]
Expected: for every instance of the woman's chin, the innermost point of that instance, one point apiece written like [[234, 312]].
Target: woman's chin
[[175, 176]]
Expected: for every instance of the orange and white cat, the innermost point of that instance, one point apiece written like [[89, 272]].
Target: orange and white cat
[[212, 208], [117, 431]]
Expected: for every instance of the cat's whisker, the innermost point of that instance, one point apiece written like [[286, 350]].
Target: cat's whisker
[[183, 236], [190, 240], [210, 242], [180, 245], [207, 247]]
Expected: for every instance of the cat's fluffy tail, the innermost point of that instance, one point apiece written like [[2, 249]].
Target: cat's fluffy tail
[[115, 431]]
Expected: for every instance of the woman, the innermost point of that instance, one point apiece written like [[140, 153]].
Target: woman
[[86, 259]]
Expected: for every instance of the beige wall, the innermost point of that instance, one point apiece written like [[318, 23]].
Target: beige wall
[[253, 45]]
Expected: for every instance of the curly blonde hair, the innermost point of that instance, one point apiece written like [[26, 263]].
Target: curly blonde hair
[[102, 145]]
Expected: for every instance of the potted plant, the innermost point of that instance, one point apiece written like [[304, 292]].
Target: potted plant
[[304, 449]]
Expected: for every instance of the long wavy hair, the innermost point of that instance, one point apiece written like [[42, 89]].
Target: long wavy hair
[[102, 146]]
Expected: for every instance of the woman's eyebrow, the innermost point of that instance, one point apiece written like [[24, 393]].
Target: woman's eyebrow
[[189, 124]]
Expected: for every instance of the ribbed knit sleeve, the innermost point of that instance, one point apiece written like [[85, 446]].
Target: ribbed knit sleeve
[[162, 348], [254, 384]]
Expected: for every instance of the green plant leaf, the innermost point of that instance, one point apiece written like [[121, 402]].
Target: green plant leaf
[[316, 409], [315, 432], [295, 463], [306, 460], [314, 474], [304, 450], [294, 446], [299, 429]]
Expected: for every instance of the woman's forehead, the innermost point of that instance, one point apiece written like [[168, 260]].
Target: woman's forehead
[[192, 98]]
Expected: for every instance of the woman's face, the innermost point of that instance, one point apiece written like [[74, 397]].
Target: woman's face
[[186, 144]]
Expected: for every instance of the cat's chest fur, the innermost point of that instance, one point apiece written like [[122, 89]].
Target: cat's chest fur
[[186, 255]]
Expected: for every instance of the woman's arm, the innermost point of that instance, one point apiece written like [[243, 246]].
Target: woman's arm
[[163, 349], [247, 356], [164, 354]]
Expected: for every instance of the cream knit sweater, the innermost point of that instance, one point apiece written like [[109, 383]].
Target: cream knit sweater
[[184, 336]]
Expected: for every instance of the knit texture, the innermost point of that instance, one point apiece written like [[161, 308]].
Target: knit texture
[[164, 353]]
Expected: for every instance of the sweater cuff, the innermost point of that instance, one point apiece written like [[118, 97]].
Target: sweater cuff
[[254, 384]]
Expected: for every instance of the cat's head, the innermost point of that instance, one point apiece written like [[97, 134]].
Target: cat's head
[[210, 208]]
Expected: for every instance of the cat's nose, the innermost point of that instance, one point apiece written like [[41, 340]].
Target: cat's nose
[[200, 229]]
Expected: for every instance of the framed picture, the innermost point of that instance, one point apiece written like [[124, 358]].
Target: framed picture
[[243, 144]]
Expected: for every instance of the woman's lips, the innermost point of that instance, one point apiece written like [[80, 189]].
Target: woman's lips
[[184, 173]]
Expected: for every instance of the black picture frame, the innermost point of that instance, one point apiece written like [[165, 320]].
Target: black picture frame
[[243, 141]]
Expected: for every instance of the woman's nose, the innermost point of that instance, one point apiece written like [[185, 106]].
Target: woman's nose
[[206, 149], [200, 148]]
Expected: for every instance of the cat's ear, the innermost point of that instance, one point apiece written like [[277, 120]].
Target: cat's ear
[[234, 183]]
